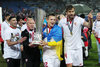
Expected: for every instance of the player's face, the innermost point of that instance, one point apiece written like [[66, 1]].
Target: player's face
[[21, 22], [13, 22], [31, 23], [98, 16], [70, 13], [51, 21]]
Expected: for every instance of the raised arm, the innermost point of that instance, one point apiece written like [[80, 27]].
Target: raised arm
[[90, 19]]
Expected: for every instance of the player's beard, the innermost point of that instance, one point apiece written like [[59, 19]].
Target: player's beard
[[71, 16]]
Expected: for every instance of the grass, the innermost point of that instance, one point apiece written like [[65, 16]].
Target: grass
[[90, 62], [2, 61], [93, 55]]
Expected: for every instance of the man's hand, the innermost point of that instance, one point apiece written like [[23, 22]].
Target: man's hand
[[21, 47], [32, 45], [82, 37], [90, 19], [43, 43], [90, 16], [22, 39]]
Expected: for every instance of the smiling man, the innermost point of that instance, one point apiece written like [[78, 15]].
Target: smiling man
[[52, 41], [72, 35], [31, 52], [12, 40]]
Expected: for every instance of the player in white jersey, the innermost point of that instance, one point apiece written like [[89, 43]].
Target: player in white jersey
[[72, 35], [4, 26], [24, 27], [12, 40], [96, 31], [52, 41]]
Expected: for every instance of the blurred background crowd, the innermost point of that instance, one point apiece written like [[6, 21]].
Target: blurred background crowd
[[27, 7]]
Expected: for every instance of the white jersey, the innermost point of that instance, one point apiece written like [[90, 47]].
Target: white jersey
[[96, 27], [4, 26], [19, 27], [72, 41], [24, 27], [13, 51], [49, 51]]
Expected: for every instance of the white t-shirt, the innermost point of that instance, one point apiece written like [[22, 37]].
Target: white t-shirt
[[14, 50], [96, 27], [4, 26], [49, 51], [72, 41], [24, 27]]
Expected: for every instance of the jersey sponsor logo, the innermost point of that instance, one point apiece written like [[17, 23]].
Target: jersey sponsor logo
[[17, 36], [14, 37]]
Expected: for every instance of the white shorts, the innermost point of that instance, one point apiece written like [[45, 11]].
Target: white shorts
[[51, 62], [74, 57]]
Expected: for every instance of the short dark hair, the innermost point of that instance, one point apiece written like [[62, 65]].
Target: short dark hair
[[29, 17], [69, 7], [50, 14], [7, 14], [19, 17], [11, 17]]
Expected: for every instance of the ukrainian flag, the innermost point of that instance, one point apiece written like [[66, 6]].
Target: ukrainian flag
[[56, 34]]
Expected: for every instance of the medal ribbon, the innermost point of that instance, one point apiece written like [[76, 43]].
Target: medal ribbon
[[70, 27]]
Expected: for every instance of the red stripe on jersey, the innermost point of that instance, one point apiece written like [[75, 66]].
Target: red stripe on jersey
[[12, 27], [65, 55], [49, 29], [69, 21]]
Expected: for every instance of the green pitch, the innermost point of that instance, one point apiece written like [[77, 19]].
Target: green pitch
[[93, 55]]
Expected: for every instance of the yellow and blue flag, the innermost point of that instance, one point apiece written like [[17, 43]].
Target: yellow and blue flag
[[56, 34]]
